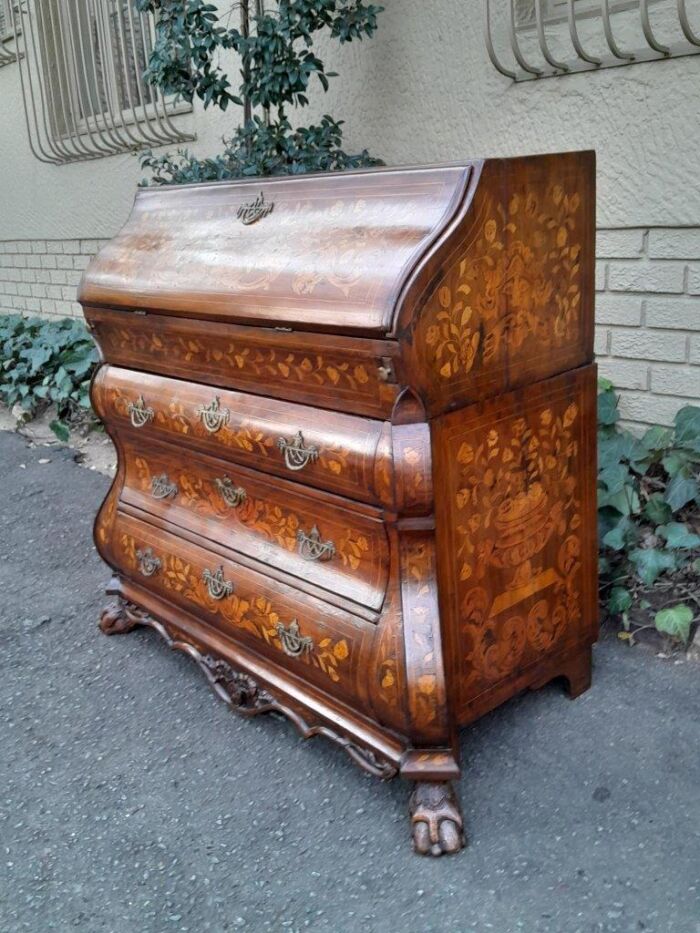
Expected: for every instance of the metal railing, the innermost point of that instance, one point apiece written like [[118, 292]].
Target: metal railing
[[7, 54], [81, 64], [549, 38]]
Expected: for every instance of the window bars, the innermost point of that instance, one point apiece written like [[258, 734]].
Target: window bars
[[81, 64], [7, 55], [544, 38]]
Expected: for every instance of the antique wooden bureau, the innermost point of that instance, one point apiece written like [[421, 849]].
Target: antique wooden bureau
[[355, 422]]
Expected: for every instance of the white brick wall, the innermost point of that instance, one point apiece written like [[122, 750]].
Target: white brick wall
[[647, 308], [41, 276], [648, 319]]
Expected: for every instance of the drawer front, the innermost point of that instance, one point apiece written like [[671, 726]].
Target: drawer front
[[341, 453], [300, 534], [317, 641], [317, 369]]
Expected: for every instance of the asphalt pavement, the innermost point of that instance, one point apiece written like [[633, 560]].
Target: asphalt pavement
[[133, 801]]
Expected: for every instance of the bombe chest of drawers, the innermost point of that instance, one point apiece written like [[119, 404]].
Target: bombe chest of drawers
[[355, 424]]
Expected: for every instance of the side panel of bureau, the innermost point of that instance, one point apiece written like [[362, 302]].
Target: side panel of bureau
[[516, 526], [512, 302]]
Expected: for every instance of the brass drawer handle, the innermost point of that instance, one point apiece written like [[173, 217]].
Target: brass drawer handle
[[148, 562], [311, 547], [217, 587], [139, 413], [232, 495], [296, 455], [293, 644], [162, 488], [212, 416]]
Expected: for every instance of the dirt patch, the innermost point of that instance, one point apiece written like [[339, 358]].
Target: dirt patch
[[93, 448]]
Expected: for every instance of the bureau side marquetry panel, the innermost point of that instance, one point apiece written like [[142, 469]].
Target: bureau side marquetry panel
[[513, 302], [516, 525]]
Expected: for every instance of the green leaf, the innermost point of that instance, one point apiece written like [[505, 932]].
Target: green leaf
[[656, 438], [626, 502], [680, 491], [607, 408], [650, 562], [687, 423], [677, 535], [60, 430], [620, 600], [621, 535], [657, 510], [675, 621]]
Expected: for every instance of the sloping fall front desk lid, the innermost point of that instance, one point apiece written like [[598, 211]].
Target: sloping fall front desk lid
[[329, 252]]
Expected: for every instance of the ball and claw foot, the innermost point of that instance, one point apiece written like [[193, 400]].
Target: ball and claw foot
[[116, 620], [436, 819]]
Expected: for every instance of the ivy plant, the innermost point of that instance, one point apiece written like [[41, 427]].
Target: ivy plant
[[648, 520], [43, 362], [278, 69]]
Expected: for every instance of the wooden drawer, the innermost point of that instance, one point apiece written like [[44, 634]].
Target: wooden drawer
[[341, 453], [323, 370], [305, 535], [317, 641]]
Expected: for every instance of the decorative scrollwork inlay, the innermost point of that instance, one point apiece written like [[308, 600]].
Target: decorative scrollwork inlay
[[296, 454], [149, 564], [139, 413], [311, 547], [213, 416], [217, 586], [231, 494], [293, 642], [162, 488]]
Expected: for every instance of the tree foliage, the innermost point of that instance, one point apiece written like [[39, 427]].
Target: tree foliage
[[278, 66]]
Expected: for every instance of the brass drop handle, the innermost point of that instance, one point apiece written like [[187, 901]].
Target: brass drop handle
[[293, 642], [217, 586], [213, 416], [231, 494], [311, 547], [148, 562], [296, 454], [162, 488], [139, 413]]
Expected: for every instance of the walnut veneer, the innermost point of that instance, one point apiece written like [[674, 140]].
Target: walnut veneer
[[355, 420]]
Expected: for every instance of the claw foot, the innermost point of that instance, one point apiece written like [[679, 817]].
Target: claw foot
[[117, 619], [436, 819]]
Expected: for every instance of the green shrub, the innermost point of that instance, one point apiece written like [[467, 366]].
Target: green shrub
[[648, 498], [45, 361]]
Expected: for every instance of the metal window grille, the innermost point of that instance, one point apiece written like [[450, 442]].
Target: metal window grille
[[544, 38], [7, 54], [81, 67]]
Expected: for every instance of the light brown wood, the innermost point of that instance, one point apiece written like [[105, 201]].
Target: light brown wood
[[356, 446]]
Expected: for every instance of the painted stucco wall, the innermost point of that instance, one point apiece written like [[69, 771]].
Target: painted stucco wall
[[423, 90]]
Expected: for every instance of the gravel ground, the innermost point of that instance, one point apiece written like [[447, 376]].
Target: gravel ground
[[132, 800]]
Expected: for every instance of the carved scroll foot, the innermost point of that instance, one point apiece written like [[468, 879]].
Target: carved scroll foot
[[436, 819], [118, 618]]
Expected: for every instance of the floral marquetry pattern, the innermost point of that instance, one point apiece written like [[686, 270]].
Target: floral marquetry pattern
[[515, 291], [275, 523], [238, 356], [518, 518], [250, 613]]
